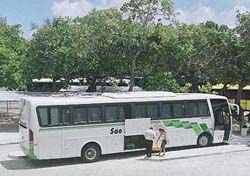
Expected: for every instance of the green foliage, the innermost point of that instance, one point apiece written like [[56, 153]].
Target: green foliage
[[12, 55], [52, 51], [207, 88], [142, 15], [242, 64], [163, 82], [148, 12]]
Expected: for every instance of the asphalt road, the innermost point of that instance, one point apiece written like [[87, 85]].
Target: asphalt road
[[234, 163]]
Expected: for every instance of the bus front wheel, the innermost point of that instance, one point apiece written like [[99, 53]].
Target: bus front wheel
[[90, 153], [204, 140]]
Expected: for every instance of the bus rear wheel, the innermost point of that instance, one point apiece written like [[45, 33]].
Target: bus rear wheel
[[90, 153], [204, 140]]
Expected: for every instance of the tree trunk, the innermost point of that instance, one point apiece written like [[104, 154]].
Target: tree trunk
[[239, 92], [53, 84], [194, 88], [132, 75], [92, 85], [65, 83], [224, 88]]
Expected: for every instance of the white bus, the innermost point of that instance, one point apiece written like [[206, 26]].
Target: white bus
[[90, 126]]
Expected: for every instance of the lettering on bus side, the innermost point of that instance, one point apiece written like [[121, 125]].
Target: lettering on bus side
[[115, 130]]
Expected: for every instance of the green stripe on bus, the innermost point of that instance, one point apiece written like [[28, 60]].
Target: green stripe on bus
[[177, 124], [204, 126], [186, 125], [197, 129], [167, 123]]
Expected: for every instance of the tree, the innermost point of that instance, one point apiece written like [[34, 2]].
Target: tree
[[224, 49], [99, 34], [13, 50], [145, 13], [52, 52], [242, 63], [192, 63]]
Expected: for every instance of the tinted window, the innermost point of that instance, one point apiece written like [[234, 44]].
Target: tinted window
[[125, 111], [65, 115], [203, 109], [191, 109], [80, 115], [196, 108], [43, 115], [111, 113], [95, 114], [54, 116], [178, 109], [153, 110], [140, 111], [166, 110]]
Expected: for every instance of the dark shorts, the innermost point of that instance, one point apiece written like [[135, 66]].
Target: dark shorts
[[163, 144]]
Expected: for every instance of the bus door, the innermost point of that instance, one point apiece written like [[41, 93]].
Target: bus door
[[222, 120], [134, 130]]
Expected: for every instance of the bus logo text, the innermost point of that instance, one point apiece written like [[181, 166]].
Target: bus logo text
[[115, 131]]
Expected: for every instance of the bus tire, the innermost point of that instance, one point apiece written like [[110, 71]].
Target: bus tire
[[90, 153], [204, 140]]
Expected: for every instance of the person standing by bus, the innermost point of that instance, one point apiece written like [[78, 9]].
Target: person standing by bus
[[149, 137], [164, 140]]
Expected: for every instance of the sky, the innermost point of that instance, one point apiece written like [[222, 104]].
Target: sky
[[25, 12]]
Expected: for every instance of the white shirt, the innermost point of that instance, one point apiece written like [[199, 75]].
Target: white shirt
[[149, 135]]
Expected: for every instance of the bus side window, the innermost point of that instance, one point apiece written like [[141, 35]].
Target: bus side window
[[178, 109], [43, 116], [166, 110], [111, 113], [80, 115], [125, 111], [94, 114], [65, 115], [140, 111], [153, 110], [54, 116], [203, 109], [196, 108], [191, 109]]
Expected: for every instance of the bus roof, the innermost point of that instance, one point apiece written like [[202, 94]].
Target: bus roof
[[119, 98]]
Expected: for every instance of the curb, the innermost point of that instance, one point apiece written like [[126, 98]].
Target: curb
[[16, 154]]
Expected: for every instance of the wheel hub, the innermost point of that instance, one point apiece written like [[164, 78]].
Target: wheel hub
[[203, 141], [90, 154]]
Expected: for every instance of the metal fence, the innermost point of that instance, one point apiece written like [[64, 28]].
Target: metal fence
[[9, 109]]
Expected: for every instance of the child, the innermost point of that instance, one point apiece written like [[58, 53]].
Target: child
[[163, 137]]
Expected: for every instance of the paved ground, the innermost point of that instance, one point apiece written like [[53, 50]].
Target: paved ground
[[233, 162], [237, 139]]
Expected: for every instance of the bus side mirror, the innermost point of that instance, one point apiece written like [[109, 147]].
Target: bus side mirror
[[235, 109]]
